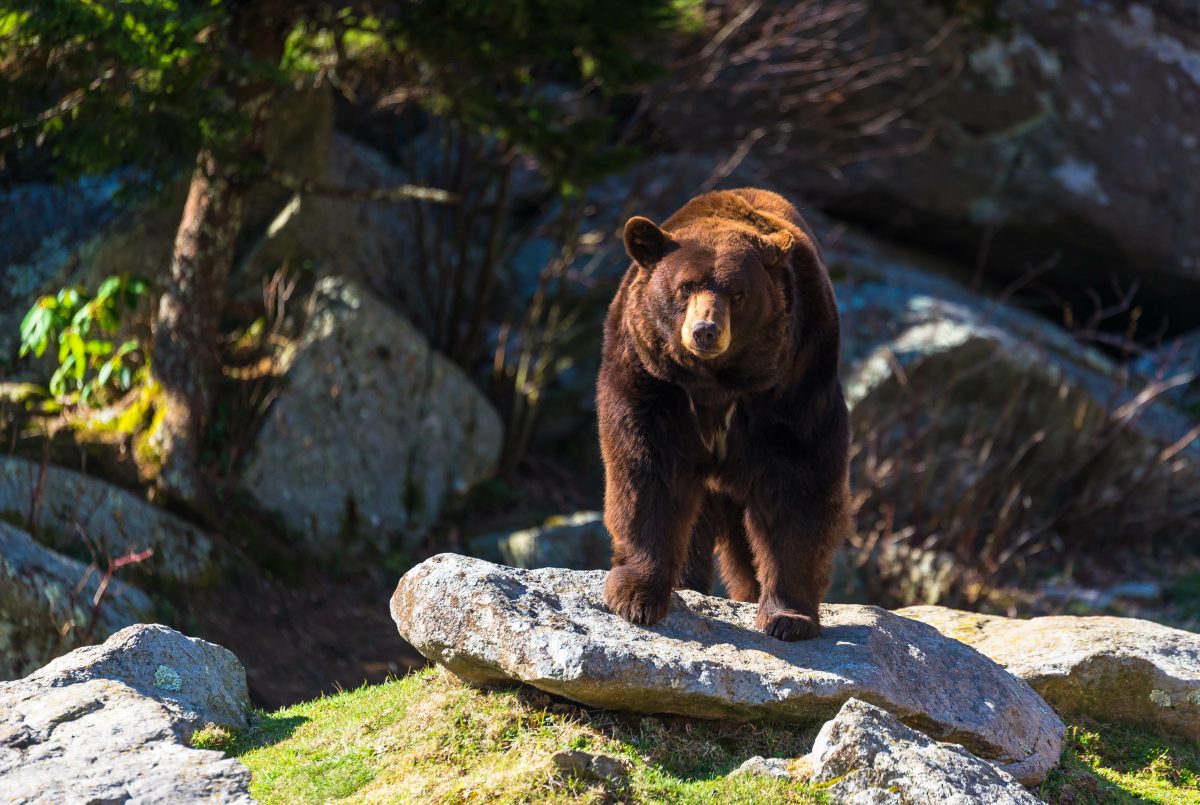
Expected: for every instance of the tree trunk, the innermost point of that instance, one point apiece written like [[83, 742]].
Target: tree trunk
[[185, 359]]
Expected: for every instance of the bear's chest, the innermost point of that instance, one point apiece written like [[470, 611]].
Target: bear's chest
[[712, 426]]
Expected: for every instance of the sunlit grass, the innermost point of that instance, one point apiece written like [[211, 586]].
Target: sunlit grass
[[428, 738], [1113, 764]]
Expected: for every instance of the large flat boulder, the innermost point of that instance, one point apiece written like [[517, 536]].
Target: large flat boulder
[[372, 432], [111, 723], [550, 629], [78, 515], [865, 755], [49, 605], [1123, 670]]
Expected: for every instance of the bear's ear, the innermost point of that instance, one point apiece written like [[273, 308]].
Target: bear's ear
[[777, 246], [645, 243]]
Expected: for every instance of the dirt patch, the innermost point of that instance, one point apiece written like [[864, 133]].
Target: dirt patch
[[301, 640]]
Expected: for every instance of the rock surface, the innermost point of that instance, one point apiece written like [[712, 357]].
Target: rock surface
[[549, 629], [47, 604], [73, 513], [197, 681], [111, 723], [373, 431], [1123, 670], [868, 758]]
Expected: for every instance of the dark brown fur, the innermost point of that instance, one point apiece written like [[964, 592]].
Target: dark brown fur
[[745, 453]]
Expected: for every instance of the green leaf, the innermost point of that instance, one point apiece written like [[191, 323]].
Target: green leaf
[[98, 347], [109, 287], [106, 370], [58, 381], [78, 354]]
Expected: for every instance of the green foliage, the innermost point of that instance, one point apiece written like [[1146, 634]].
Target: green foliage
[[500, 68], [105, 84], [91, 365]]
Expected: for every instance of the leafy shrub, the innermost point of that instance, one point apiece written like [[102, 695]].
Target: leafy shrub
[[91, 364]]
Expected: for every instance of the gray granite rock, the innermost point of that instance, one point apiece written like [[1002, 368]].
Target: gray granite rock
[[48, 604], [576, 541], [100, 741], [549, 629], [867, 757], [71, 510], [373, 431], [1123, 670], [196, 681], [764, 767]]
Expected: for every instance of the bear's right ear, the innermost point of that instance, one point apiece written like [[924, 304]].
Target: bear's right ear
[[645, 243]]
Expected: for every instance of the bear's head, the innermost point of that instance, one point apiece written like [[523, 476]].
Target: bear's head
[[710, 296]]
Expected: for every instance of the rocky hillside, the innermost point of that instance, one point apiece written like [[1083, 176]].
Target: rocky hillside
[[579, 706]]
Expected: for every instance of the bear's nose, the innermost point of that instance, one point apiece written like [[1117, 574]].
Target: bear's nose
[[704, 334]]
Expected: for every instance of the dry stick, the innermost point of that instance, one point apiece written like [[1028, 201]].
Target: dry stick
[[485, 279], [403, 192], [464, 216]]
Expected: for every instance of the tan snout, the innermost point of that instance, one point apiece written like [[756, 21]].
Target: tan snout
[[705, 330]]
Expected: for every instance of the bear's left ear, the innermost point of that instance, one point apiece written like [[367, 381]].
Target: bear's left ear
[[777, 246], [645, 243]]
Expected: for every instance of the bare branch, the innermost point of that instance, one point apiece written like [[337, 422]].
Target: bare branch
[[404, 192]]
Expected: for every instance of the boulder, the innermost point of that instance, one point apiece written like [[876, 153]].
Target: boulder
[[48, 604], [1062, 128], [549, 628], [1122, 670], [980, 424], [111, 723], [865, 756], [86, 517], [197, 681], [576, 541], [372, 431]]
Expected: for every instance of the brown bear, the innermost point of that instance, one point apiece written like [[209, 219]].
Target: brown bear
[[722, 421]]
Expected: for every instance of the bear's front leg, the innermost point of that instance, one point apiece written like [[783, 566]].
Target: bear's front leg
[[793, 538], [651, 500], [651, 525]]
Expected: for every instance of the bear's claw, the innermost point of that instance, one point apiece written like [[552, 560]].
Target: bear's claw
[[788, 624], [634, 599]]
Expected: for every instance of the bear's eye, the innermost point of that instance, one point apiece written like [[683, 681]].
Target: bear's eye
[[738, 297], [688, 287]]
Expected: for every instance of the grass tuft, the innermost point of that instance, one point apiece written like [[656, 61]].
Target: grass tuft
[[1104, 763]]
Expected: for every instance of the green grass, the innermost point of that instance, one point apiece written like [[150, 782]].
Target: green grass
[[1103, 764], [429, 738]]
